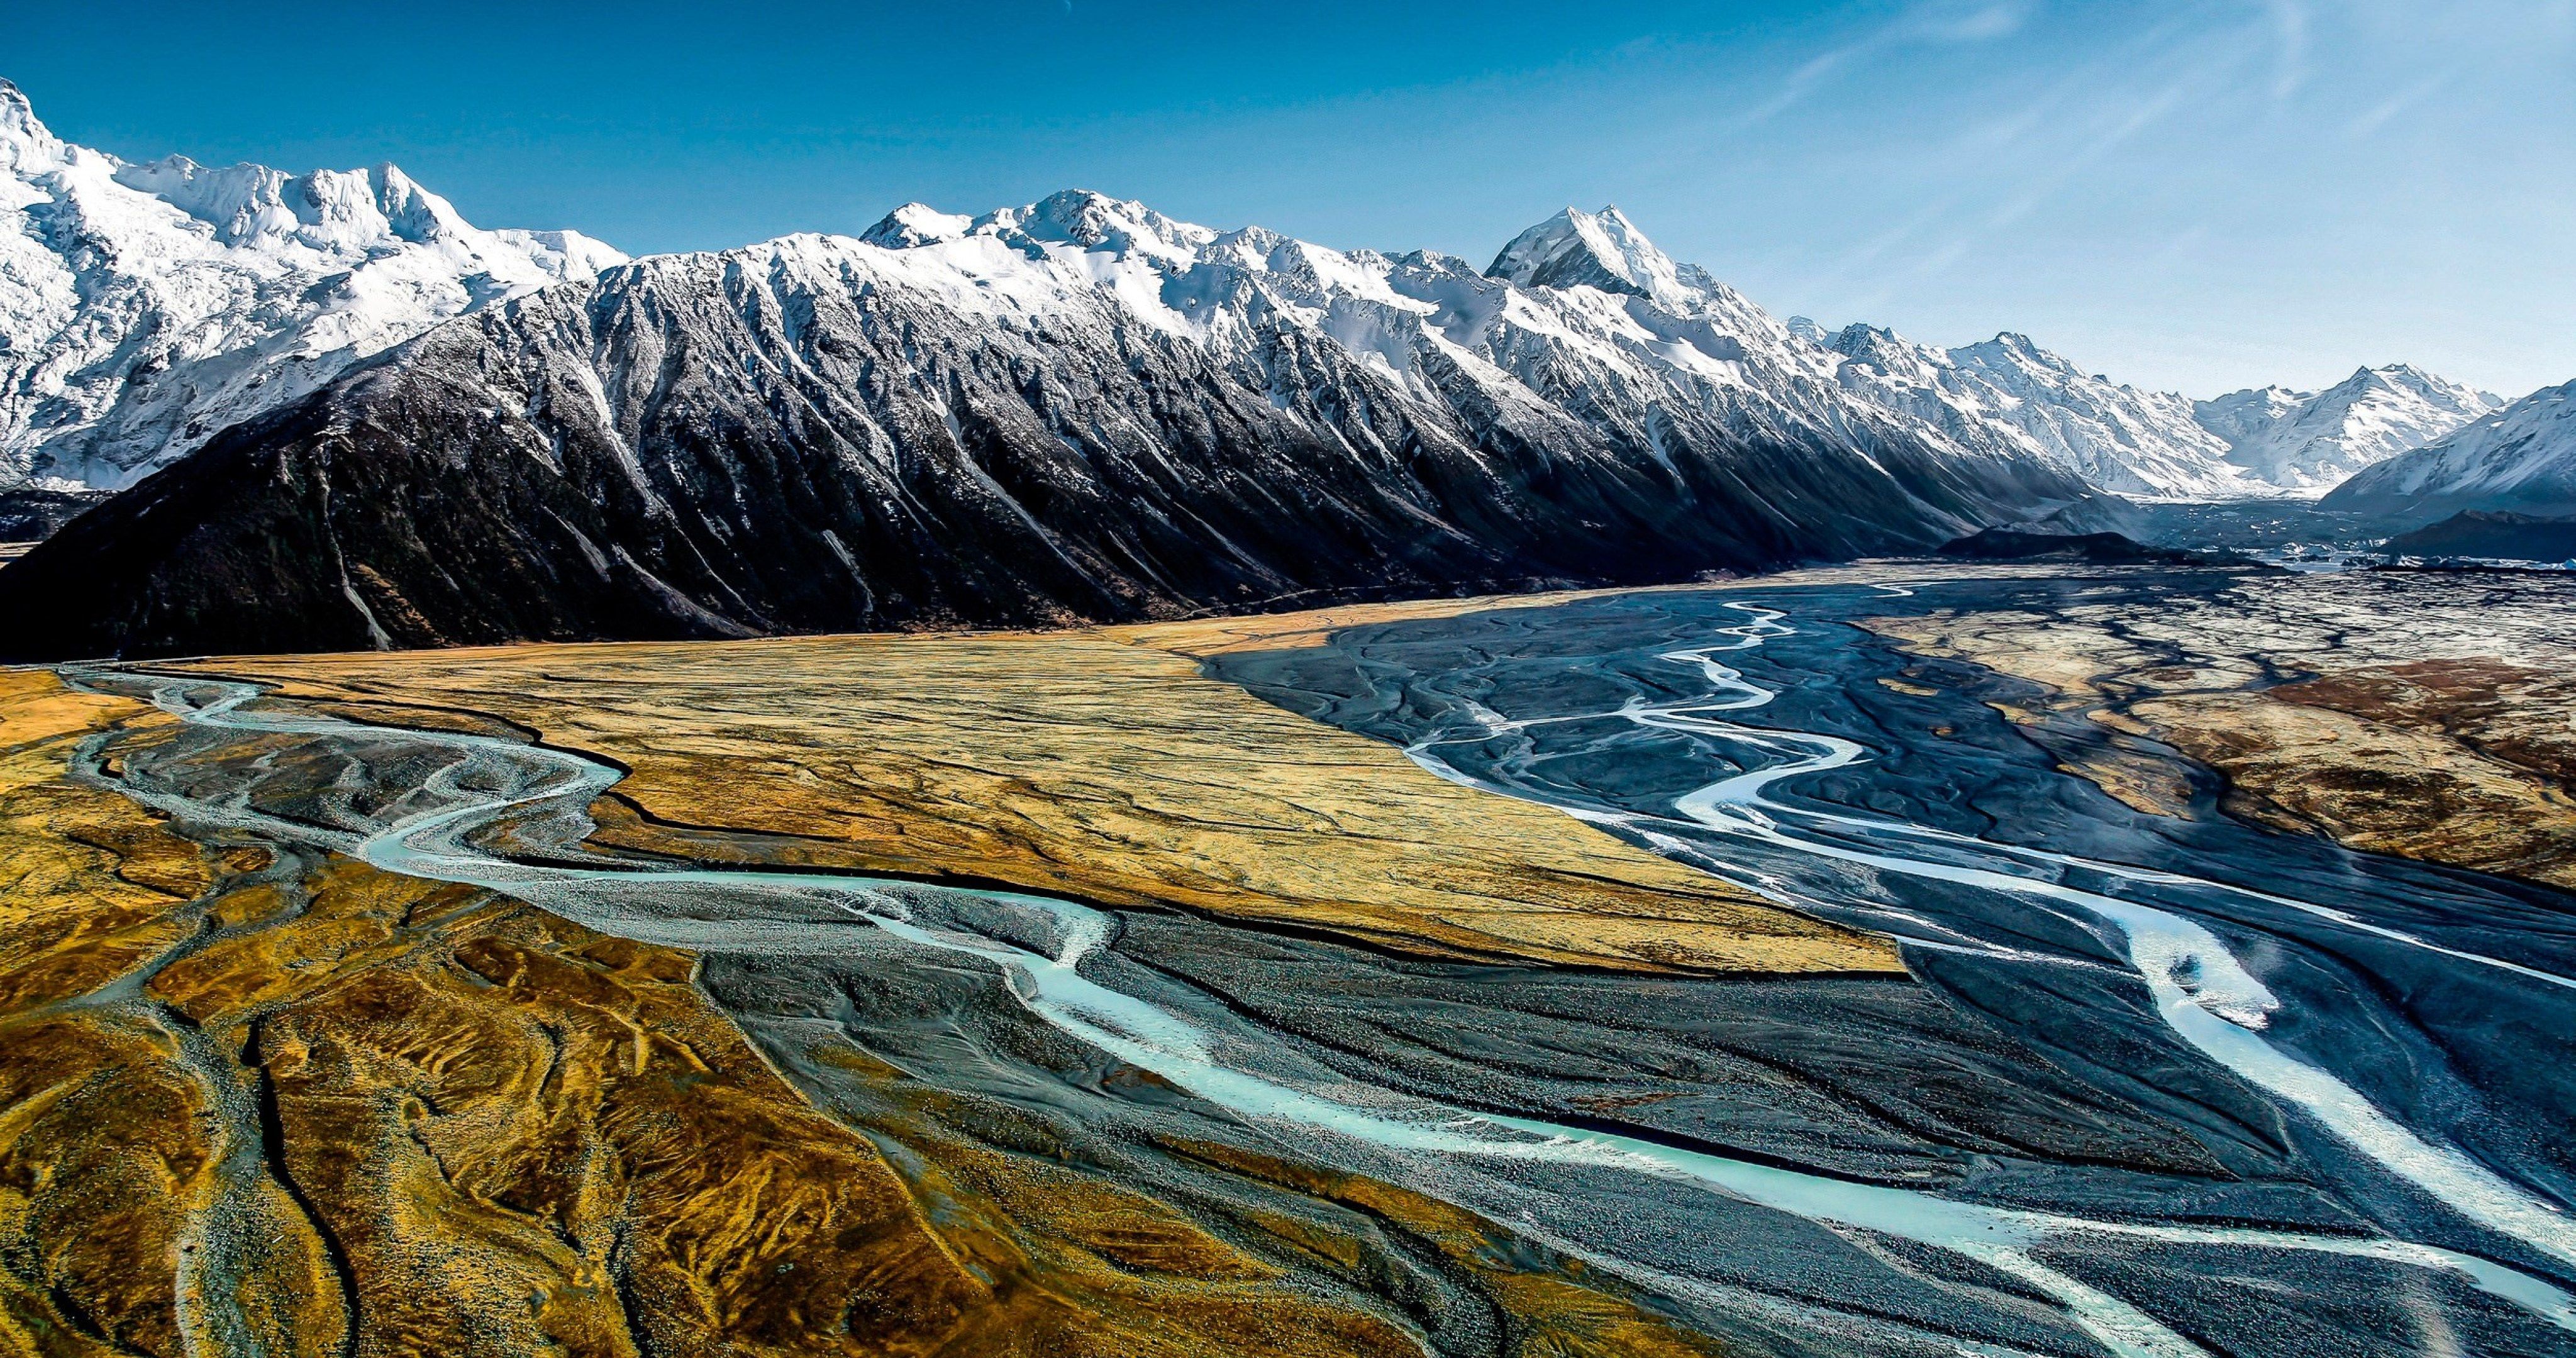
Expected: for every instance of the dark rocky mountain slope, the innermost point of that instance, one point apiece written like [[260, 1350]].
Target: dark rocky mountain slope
[[1080, 410], [2490, 536], [2091, 549]]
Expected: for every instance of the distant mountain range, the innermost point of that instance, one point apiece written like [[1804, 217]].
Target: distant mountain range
[[348, 418], [2124, 440], [2269, 441], [144, 308], [2312, 441], [2519, 459]]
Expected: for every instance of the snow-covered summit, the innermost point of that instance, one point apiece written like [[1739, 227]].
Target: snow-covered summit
[[2521, 458], [1098, 222], [2311, 441], [23, 140], [327, 210], [1597, 249], [916, 224], [145, 306], [2136, 443], [2240, 416]]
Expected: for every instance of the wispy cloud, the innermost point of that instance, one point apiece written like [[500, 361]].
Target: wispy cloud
[[2142, 171], [2290, 35], [1997, 172], [1929, 22], [2124, 123], [2379, 114], [1965, 20]]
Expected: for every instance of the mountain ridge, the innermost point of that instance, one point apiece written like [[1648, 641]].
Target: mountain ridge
[[1074, 410], [215, 294], [146, 306], [2520, 459], [418, 432]]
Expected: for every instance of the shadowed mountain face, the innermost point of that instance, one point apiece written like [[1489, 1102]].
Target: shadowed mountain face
[[1077, 411]]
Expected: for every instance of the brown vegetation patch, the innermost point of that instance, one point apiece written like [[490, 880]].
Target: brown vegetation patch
[[2453, 758], [1079, 764], [2520, 714], [329, 1111]]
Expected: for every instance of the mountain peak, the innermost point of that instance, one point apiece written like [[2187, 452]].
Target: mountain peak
[[1868, 342], [327, 209], [2014, 347], [292, 276], [2310, 440], [1096, 221], [916, 224], [2521, 458], [1601, 249], [22, 136]]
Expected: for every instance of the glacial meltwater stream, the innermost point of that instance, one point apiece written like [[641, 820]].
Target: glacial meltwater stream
[[2200, 988], [1049, 953]]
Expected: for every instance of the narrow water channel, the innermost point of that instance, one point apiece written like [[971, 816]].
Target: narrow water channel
[[2135, 1260]]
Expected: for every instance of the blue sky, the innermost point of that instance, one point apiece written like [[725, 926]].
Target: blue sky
[[2201, 195]]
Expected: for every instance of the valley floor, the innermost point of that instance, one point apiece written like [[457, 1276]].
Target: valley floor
[[2426, 715], [1246, 986]]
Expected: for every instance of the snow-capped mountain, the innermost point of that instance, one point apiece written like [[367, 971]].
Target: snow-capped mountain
[[2245, 416], [1605, 250], [2004, 396], [2521, 458], [1076, 409], [2011, 392], [2268, 441], [2311, 441], [144, 307]]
